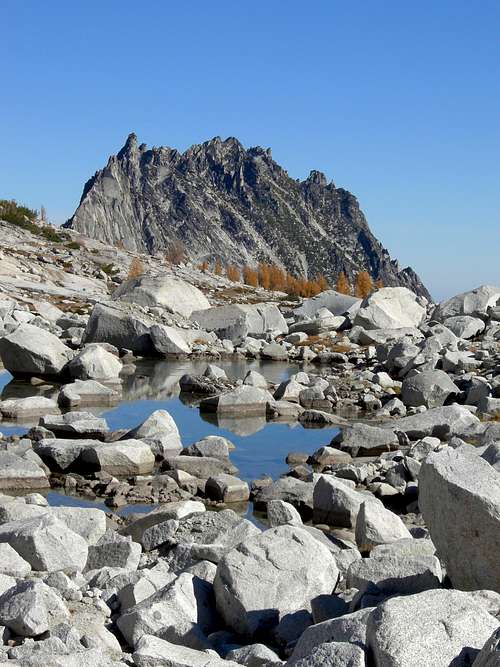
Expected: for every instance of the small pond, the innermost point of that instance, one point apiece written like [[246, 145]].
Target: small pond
[[261, 447]]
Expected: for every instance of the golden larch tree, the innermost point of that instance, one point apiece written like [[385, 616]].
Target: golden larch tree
[[250, 276], [218, 269], [343, 286], [364, 284], [233, 273], [322, 283], [265, 275]]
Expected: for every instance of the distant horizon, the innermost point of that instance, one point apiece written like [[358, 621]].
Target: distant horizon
[[399, 104]]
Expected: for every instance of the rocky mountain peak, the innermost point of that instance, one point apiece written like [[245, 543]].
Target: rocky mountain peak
[[235, 204]]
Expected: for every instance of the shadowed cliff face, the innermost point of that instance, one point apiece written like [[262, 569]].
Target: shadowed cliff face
[[236, 204]]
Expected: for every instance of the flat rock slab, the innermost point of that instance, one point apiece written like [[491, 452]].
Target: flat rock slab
[[76, 424], [19, 409], [19, 473], [365, 440], [88, 393], [439, 422]]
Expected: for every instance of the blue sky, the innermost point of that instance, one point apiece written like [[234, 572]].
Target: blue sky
[[398, 102]]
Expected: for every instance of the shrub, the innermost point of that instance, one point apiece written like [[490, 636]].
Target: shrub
[[24, 217], [109, 269], [176, 253], [136, 268], [16, 213], [73, 245]]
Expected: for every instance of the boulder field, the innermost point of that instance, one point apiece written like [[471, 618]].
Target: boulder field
[[380, 549]]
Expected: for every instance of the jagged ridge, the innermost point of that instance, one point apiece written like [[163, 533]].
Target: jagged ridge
[[236, 204]]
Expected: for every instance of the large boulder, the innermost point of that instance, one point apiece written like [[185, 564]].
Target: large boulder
[[436, 627], [429, 388], [86, 393], [210, 535], [335, 302], [242, 401], [336, 503], [24, 409], [46, 543], [441, 422], [201, 467], [95, 363], [163, 513], [376, 525], [390, 308], [460, 500], [160, 431], [182, 612], [273, 574], [20, 473], [238, 321], [465, 326], [394, 574], [169, 340], [490, 653], [166, 291], [152, 651], [340, 654], [31, 608], [474, 303], [122, 325], [123, 458], [30, 350], [61, 454], [365, 440], [349, 629], [76, 425]]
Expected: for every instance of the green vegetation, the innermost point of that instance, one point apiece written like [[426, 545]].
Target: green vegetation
[[73, 245], [24, 217], [109, 269]]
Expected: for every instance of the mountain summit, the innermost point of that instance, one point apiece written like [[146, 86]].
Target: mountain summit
[[224, 201]]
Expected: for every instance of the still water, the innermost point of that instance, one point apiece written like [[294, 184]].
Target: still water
[[261, 447]]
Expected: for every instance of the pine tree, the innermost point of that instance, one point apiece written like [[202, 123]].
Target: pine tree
[[364, 284]]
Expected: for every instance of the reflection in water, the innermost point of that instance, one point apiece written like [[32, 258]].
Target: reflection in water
[[160, 379], [261, 447], [237, 425]]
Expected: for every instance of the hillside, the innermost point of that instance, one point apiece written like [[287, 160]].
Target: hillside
[[224, 201]]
